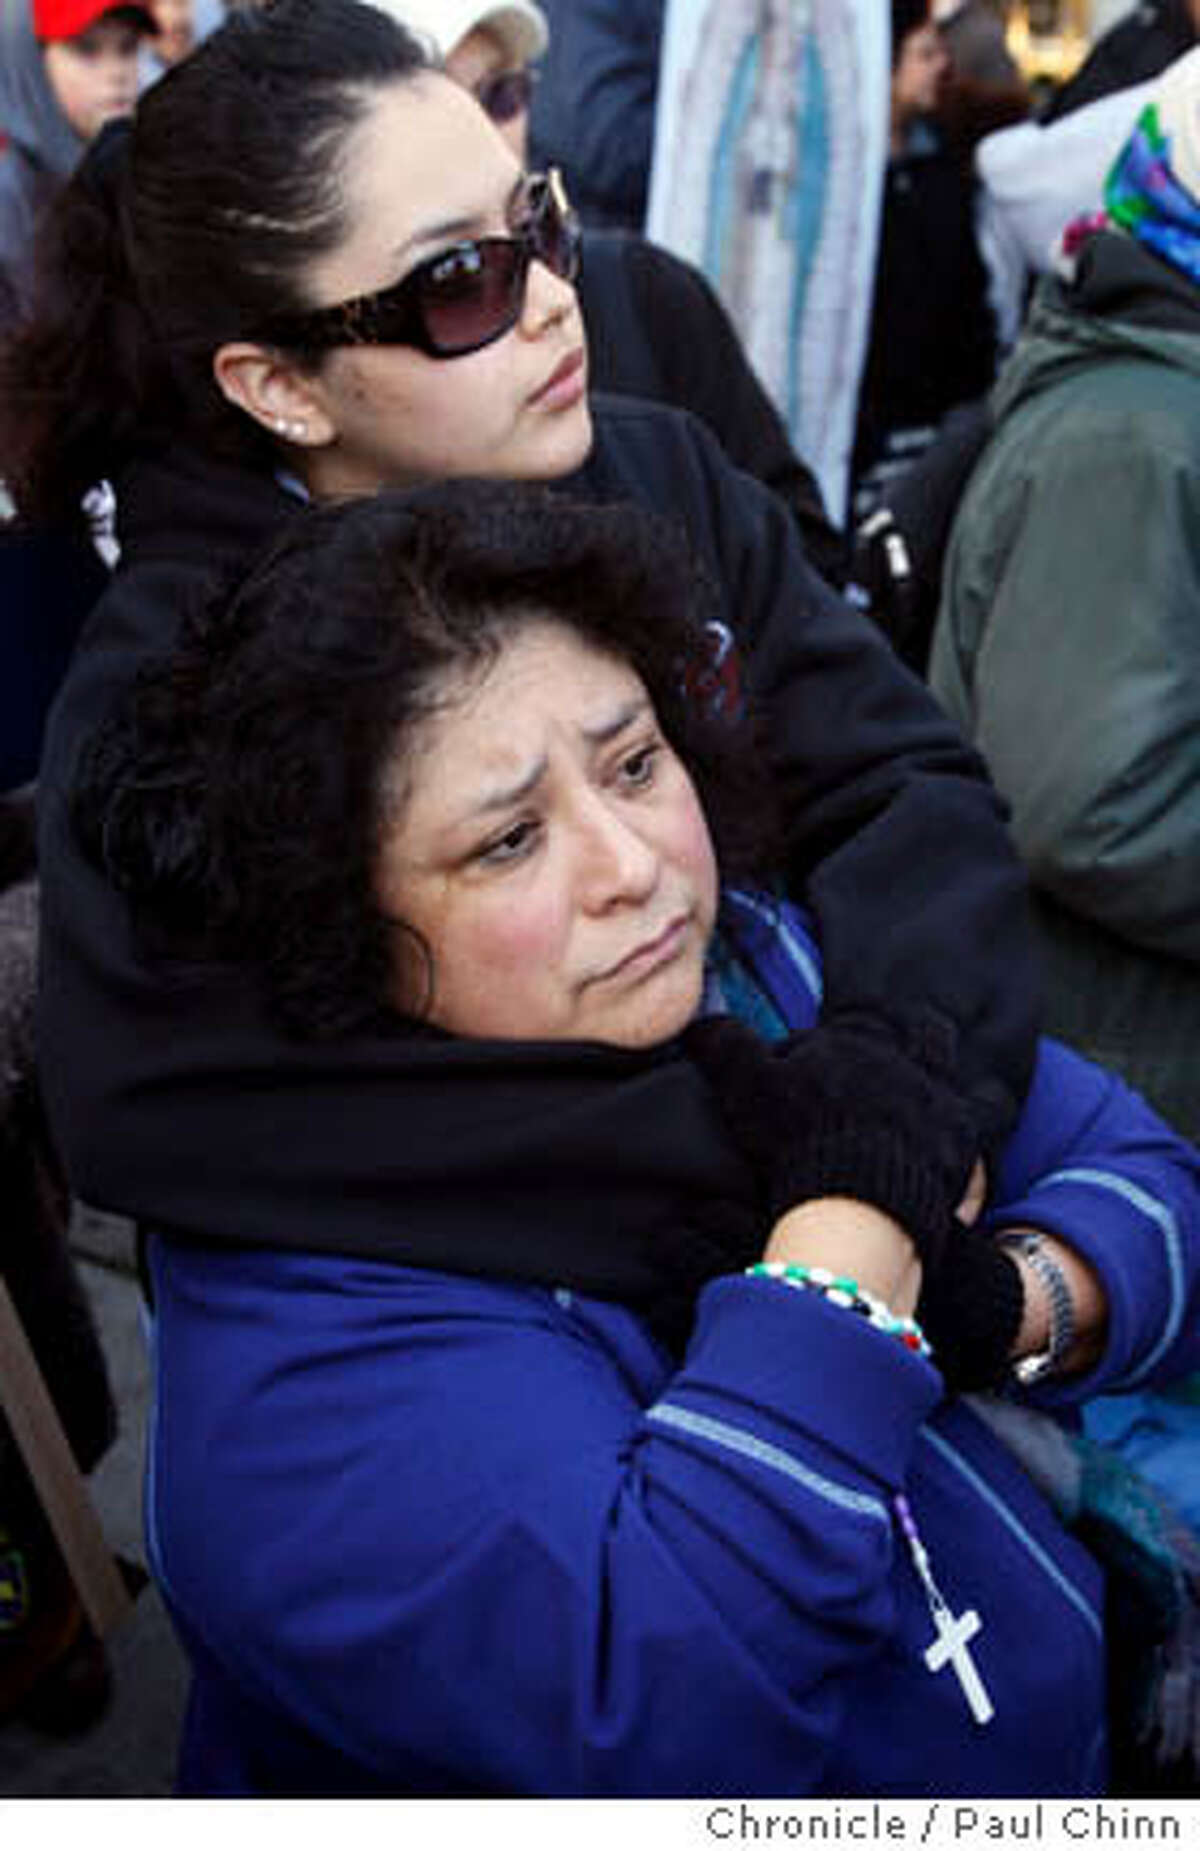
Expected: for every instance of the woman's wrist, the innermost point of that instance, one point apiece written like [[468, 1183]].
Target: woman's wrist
[[854, 1238], [847, 1295], [1061, 1269]]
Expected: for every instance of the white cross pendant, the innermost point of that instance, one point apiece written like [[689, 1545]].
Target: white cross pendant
[[951, 1647]]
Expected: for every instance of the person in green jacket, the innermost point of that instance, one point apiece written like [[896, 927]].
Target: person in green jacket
[[1068, 639]]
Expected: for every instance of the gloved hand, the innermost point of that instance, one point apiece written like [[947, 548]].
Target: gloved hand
[[862, 1105], [970, 1308]]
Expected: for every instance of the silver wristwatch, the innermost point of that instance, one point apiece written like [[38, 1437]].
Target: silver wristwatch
[[1031, 1369]]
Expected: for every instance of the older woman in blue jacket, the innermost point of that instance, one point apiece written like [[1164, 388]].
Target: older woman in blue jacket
[[637, 1463]]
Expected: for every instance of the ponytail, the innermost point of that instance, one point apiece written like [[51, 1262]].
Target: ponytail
[[179, 231], [75, 373]]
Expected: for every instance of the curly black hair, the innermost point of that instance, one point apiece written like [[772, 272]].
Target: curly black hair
[[238, 794]]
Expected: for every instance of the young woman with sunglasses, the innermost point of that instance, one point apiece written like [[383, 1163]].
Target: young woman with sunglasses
[[313, 269], [655, 326]]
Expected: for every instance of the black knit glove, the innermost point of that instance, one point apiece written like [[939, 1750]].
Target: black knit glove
[[861, 1105], [970, 1309]]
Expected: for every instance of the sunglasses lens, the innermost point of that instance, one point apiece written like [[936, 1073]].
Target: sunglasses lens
[[506, 97], [474, 296]]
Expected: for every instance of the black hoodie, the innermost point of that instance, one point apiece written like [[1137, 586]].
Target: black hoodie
[[177, 1103]]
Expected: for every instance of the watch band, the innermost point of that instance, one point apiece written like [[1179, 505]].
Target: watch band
[[1031, 1369]]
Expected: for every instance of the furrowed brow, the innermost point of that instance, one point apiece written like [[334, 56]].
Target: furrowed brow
[[634, 709]]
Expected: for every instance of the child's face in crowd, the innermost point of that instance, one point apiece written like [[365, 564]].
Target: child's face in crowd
[[550, 849], [423, 171], [175, 36], [94, 76]]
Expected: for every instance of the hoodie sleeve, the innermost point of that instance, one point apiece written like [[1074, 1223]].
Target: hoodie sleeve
[[1091, 1163], [897, 838]]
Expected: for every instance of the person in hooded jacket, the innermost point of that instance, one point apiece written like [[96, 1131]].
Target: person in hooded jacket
[[66, 68], [1034, 179], [1066, 644]]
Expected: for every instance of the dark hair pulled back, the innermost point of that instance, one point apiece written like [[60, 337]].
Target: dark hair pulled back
[[241, 792], [183, 231]]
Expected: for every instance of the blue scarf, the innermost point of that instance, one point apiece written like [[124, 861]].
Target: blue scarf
[[1144, 197]]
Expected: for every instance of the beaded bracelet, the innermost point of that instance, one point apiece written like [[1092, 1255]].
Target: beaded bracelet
[[837, 1289]]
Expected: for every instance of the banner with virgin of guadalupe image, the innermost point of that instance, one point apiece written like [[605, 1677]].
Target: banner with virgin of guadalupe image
[[770, 148]]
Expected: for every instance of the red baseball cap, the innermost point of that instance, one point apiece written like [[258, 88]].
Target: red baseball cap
[[66, 19]]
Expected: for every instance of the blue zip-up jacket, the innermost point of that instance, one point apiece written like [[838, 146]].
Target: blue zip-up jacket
[[428, 1534]]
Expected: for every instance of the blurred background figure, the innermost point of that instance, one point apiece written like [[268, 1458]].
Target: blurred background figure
[[490, 49], [66, 68], [973, 34], [932, 343], [1034, 178], [594, 114], [54, 1673], [1140, 45], [174, 30], [1066, 645], [179, 27], [985, 88]]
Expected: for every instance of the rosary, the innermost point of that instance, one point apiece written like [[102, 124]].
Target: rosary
[[954, 1635]]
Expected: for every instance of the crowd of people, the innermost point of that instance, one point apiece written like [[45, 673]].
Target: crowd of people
[[640, 1305]]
